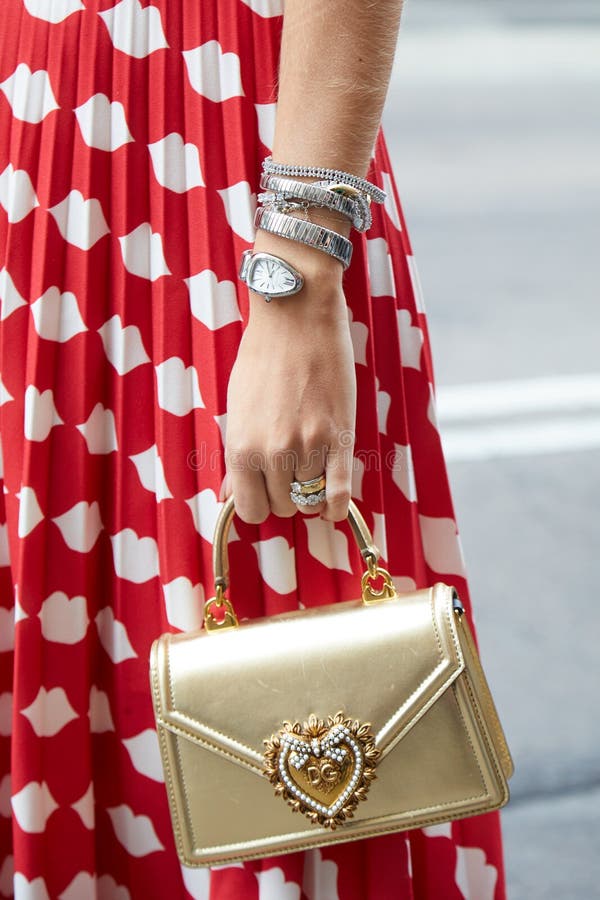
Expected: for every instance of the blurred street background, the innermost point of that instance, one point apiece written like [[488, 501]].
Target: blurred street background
[[493, 127]]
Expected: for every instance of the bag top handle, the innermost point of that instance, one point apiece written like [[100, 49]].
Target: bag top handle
[[220, 559]]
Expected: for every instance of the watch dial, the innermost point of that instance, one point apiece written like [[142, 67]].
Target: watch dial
[[271, 277]]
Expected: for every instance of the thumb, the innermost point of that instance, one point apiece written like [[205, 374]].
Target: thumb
[[338, 472], [225, 491]]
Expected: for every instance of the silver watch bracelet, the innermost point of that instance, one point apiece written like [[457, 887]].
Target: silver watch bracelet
[[272, 168], [357, 210], [308, 233], [284, 203]]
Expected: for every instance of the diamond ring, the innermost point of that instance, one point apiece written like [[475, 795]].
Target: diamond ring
[[307, 499], [308, 493]]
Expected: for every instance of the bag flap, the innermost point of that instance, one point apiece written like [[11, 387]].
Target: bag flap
[[385, 664]]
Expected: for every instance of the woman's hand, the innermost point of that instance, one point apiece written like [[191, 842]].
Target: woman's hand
[[291, 402]]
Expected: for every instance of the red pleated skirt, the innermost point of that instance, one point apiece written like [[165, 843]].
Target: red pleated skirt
[[131, 138]]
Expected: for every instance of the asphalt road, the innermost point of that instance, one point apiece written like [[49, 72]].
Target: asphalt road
[[494, 133]]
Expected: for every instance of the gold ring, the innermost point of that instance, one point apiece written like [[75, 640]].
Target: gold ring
[[312, 486]]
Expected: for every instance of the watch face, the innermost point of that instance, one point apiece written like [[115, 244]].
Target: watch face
[[270, 277]]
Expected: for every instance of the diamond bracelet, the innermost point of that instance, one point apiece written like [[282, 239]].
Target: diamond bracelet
[[273, 168]]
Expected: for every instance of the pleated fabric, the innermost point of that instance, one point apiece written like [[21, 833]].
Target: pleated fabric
[[131, 138]]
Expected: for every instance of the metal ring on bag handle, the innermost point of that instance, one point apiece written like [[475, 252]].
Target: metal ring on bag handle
[[220, 559]]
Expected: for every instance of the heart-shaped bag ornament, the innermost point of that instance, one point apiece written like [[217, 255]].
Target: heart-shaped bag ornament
[[322, 768]]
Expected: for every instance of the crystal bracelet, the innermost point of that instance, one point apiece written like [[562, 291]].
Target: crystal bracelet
[[273, 168]]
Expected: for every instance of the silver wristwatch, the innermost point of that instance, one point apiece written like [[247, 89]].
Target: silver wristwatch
[[269, 275]]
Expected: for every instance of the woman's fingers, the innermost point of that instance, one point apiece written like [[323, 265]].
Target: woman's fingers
[[225, 491], [249, 490], [261, 482], [278, 476], [260, 488]]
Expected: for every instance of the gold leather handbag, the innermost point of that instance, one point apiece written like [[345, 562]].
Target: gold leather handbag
[[323, 725]]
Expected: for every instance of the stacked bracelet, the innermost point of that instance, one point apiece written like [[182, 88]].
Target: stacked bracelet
[[376, 194], [342, 192]]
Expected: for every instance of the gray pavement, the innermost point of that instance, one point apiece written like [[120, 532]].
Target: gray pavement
[[493, 130], [563, 858]]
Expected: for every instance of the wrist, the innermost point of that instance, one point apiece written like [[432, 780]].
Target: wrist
[[304, 317], [321, 296]]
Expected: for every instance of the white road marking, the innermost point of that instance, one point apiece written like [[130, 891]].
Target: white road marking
[[488, 400], [558, 435], [465, 411]]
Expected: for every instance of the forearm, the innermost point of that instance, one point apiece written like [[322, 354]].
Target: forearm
[[335, 67]]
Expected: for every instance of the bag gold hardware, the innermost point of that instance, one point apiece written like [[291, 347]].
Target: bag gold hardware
[[369, 552], [228, 618], [371, 594]]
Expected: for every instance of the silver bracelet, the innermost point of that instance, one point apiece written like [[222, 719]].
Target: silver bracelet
[[356, 209], [309, 233], [375, 193]]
